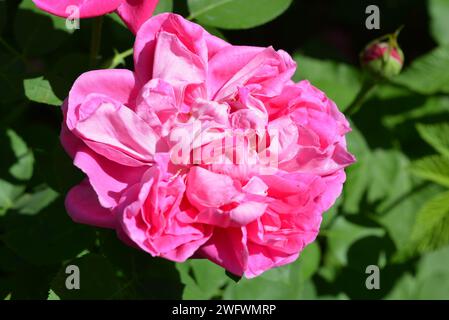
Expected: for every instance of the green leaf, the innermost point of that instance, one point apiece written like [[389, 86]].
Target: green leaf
[[8, 194], [389, 177], [97, 279], [53, 296], [144, 277], [339, 81], [431, 229], [432, 279], [23, 168], [358, 174], [163, 6], [358, 181], [263, 288], [307, 264], [399, 218], [329, 215], [215, 32], [233, 277], [434, 106], [202, 279], [49, 237], [434, 168], [343, 234], [290, 281], [38, 32], [115, 17], [404, 288], [236, 14], [33, 203], [428, 74], [439, 24], [437, 135], [39, 90]]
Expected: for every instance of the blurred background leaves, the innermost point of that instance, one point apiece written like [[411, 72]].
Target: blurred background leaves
[[394, 211]]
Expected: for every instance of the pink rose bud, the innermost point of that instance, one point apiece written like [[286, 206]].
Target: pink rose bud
[[383, 58]]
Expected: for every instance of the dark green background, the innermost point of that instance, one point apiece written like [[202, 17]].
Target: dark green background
[[372, 223]]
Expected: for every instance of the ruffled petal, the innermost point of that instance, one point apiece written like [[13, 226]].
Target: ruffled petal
[[83, 207]]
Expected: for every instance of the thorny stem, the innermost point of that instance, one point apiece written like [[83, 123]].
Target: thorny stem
[[368, 86], [119, 58], [95, 41]]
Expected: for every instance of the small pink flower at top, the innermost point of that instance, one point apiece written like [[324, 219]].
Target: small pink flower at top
[[133, 12]]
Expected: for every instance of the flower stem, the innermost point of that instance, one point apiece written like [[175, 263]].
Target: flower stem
[[95, 41], [119, 58], [368, 86]]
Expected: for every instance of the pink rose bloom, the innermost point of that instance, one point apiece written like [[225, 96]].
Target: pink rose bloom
[[133, 12], [206, 150]]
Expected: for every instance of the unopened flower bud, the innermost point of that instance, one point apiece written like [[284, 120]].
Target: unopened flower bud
[[383, 58]]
